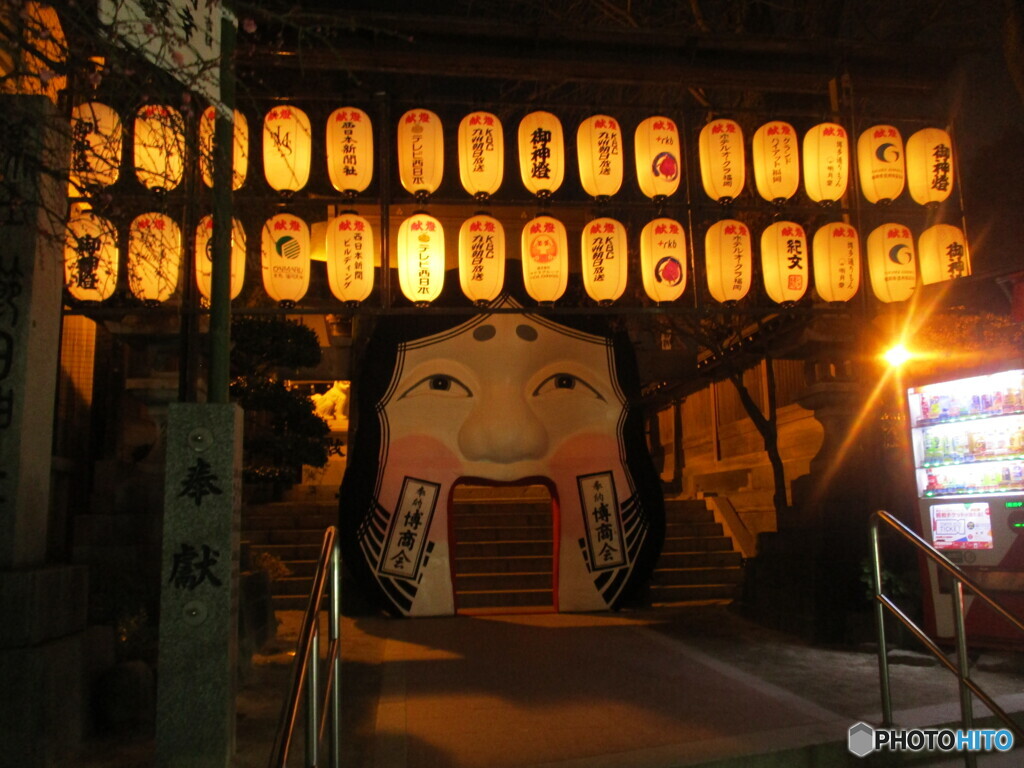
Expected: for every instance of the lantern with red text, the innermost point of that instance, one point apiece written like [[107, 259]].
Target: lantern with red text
[[776, 160], [722, 164], [482, 258], [349, 150], [836, 257], [420, 152], [785, 262], [541, 153], [658, 157], [880, 164], [204, 257], [240, 147], [728, 260], [154, 257], [545, 255], [930, 166], [891, 263], [826, 160], [421, 259], [605, 264], [350, 257], [285, 256], [90, 256], [159, 147], [96, 140], [481, 154], [287, 148], [943, 253], [599, 152], [663, 259]]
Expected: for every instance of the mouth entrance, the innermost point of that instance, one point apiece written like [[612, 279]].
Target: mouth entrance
[[504, 543]]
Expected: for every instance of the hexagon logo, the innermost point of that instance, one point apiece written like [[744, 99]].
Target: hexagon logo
[[861, 739]]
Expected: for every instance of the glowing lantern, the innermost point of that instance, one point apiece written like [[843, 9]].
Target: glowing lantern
[[204, 257], [826, 162], [722, 168], [420, 151], [663, 259], [545, 255], [836, 252], [482, 258], [240, 147], [350, 150], [599, 151], [943, 253], [891, 263], [776, 153], [785, 262], [658, 157], [90, 257], [421, 258], [605, 264], [159, 147], [930, 166], [481, 154], [287, 148], [96, 138], [154, 257], [728, 259], [350, 257], [36, 48], [284, 251], [541, 153], [880, 164]]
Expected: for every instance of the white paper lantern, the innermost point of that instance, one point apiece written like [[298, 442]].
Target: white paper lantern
[[350, 150], [287, 148], [663, 259], [722, 163], [421, 260], [836, 259], [785, 262], [943, 253], [159, 147], [600, 153], [605, 260], [204, 257], [826, 161], [930, 166], [541, 153], [481, 154], [545, 256], [482, 258], [240, 148], [892, 266], [350, 257], [420, 151], [728, 259], [776, 159], [658, 157], [154, 257], [285, 258], [96, 141], [880, 164], [90, 257]]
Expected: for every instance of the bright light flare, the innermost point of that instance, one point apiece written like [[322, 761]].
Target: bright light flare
[[897, 355]]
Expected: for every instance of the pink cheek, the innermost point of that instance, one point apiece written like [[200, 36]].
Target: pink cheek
[[587, 453], [423, 456]]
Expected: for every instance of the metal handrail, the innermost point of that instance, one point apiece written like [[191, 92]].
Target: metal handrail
[[323, 712], [961, 668]]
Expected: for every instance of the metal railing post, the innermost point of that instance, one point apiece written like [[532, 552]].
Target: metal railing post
[[313, 702], [883, 655], [335, 635], [963, 665]]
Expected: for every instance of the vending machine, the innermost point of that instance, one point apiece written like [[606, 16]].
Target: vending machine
[[968, 442]]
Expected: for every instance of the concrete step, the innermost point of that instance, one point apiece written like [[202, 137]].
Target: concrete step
[[292, 585], [503, 548], [685, 593], [504, 533], [519, 563], [707, 559], [502, 581], [688, 508], [493, 518], [289, 552], [290, 508], [297, 536], [675, 544], [503, 507], [536, 598], [282, 520], [676, 530], [684, 576]]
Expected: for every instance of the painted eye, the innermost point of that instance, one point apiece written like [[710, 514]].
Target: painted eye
[[438, 384], [565, 382]]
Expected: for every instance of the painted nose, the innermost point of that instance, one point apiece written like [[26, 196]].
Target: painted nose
[[502, 428]]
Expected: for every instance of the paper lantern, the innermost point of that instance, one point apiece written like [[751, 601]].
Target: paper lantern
[[836, 258], [482, 258], [545, 256], [930, 166], [776, 158], [728, 260], [599, 151], [658, 157], [154, 257], [785, 262], [421, 259], [605, 260], [350, 257], [826, 162], [481, 154], [96, 140], [943, 253], [880, 164], [35, 50], [722, 165], [159, 147], [350, 150], [284, 252], [420, 151], [541, 153], [287, 148], [663, 259], [892, 265], [239, 153], [90, 257], [204, 257]]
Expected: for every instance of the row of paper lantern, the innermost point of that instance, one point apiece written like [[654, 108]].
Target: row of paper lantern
[[155, 246], [885, 167]]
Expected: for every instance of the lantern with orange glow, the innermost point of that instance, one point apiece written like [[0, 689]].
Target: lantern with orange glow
[[154, 257], [159, 147], [880, 164], [481, 258], [350, 257], [605, 265], [663, 259], [545, 255], [892, 266], [599, 151], [350, 150], [728, 259], [33, 59], [722, 163], [287, 148], [420, 152], [541, 153], [658, 157], [421, 260], [481, 154], [204, 257], [785, 262], [826, 161], [90, 256], [930, 166], [943, 254], [776, 161], [96, 140], [285, 256], [240, 147], [836, 258]]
